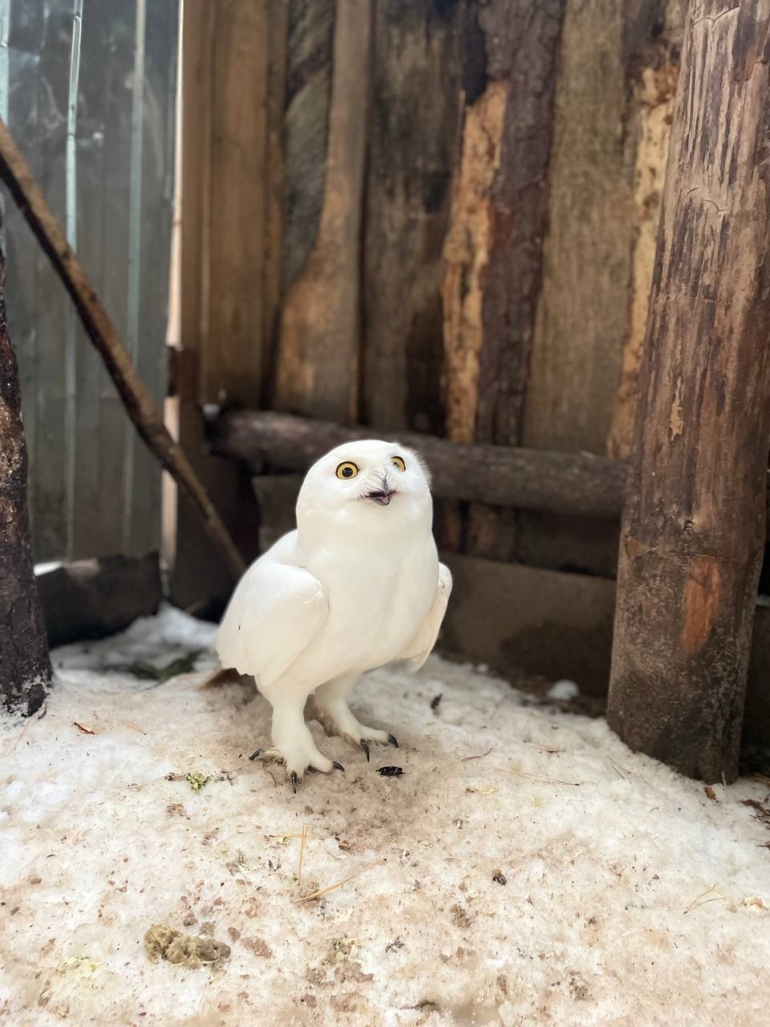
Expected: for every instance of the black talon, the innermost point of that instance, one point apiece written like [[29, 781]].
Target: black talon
[[393, 741], [256, 755], [365, 747], [313, 770], [338, 766], [294, 781]]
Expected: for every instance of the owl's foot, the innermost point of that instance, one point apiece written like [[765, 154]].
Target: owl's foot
[[334, 715], [298, 766]]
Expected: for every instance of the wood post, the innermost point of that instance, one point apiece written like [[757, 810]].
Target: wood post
[[25, 669], [694, 525]]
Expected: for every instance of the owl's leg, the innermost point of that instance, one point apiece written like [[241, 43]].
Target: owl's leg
[[293, 745], [333, 713]]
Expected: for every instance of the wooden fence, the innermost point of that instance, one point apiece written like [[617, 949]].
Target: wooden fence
[[429, 215]]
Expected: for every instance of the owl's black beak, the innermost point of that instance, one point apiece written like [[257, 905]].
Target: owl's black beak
[[382, 497]]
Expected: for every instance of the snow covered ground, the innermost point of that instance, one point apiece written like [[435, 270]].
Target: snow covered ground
[[525, 869]]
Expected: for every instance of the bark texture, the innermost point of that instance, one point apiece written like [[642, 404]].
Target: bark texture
[[500, 475], [318, 350], [694, 525], [25, 668]]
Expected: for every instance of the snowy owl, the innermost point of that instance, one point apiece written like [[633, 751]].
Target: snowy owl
[[357, 585]]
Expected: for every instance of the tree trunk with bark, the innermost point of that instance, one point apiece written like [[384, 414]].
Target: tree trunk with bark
[[25, 668], [694, 524]]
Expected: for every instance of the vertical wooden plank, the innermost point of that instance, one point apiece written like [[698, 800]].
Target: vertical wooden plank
[[309, 48], [494, 251], [653, 39], [414, 127], [195, 143], [317, 371], [50, 461], [466, 258], [232, 354], [198, 579], [581, 320], [275, 172], [647, 50], [519, 206]]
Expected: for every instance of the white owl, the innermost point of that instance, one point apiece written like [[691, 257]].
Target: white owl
[[357, 585]]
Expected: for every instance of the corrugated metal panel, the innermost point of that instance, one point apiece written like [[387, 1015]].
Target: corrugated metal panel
[[89, 91]]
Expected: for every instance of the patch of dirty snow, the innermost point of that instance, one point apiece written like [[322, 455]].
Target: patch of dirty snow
[[563, 691], [525, 869]]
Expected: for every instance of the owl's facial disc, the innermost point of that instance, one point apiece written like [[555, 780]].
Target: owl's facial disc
[[352, 484]]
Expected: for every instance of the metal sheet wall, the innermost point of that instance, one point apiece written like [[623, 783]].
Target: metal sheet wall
[[88, 90]]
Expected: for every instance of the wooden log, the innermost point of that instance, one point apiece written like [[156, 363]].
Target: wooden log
[[95, 598], [25, 668], [317, 360], [135, 395], [694, 526], [499, 475]]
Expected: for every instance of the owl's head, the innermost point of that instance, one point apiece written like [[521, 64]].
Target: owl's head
[[382, 484]]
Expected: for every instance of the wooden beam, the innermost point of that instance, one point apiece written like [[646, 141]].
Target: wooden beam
[[694, 525], [499, 475], [25, 669]]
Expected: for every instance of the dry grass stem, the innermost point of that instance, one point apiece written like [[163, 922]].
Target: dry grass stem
[[339, 884], [542, 780], [701, 900], [302, 840], [481, 755]]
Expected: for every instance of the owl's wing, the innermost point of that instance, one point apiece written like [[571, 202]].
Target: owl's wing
[[273, 615], [419, 649]]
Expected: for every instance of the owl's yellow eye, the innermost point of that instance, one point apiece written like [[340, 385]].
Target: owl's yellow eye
[[347, 470], [398, 461]]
